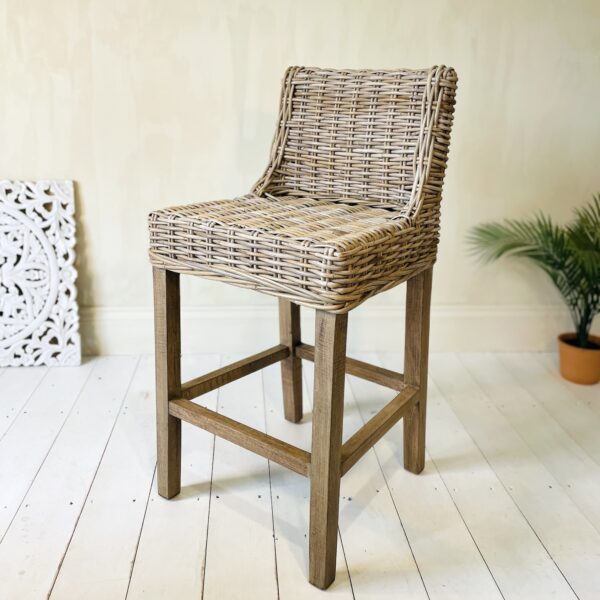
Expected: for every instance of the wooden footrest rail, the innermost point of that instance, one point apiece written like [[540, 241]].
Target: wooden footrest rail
[[281, 452], [374, 429], [247, 437], [361, 369], [215, 379]]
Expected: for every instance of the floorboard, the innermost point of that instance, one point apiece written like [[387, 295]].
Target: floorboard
[[449, 560], [506, 508], [17, 387], [588, 394], [34, 544], [26, 444], [240, 549], [169, 561], [569, 538], [102, 548], [560, 399], [572, 466]]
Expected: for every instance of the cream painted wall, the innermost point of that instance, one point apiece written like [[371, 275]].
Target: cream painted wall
[[150, 103]]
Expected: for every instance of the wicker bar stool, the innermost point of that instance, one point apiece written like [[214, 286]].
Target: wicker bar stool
[[348, 207]]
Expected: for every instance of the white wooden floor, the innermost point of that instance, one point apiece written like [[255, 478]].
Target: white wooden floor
[[508, 505]]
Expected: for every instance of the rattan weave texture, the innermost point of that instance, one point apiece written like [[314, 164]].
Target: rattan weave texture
[[349, 203]]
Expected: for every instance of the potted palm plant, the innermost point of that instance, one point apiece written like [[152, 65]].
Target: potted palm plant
[[570, 256]]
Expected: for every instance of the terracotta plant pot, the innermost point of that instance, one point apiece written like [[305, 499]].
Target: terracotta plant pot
[[580, 365]]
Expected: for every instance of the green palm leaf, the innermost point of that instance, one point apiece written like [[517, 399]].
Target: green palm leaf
[[569, 255]]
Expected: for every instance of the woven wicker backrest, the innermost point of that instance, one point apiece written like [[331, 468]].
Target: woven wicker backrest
[[379, 137]]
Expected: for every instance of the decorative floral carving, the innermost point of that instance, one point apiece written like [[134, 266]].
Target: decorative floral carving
[[39, 321]]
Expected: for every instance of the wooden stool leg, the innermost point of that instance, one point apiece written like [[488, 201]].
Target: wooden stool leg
[[168, 379], [325, 471], [416, 354], [291, 367]]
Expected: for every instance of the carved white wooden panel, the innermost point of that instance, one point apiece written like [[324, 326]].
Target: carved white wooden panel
[[39, 321]]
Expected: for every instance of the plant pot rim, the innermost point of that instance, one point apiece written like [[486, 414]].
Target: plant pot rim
[[565, 338]]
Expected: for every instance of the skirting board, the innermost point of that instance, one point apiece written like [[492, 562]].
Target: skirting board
[[107, 330]]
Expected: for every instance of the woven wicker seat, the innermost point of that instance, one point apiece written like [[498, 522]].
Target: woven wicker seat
[[322, 253], [348, 206]]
